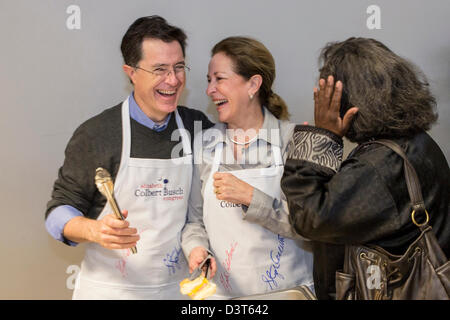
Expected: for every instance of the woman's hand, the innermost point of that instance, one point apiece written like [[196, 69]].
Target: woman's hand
[[229, 188], [197, 255], [327, 103]]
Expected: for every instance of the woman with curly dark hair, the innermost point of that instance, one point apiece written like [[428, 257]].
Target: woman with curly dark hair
[[366, 92]]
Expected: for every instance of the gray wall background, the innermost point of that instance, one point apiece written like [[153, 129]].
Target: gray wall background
[[53, 78]]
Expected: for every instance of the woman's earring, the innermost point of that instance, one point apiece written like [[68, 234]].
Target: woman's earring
[[251, 96]]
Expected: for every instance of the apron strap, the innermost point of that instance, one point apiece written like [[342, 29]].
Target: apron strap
[[126, 137], [276, 151], [217, 157], [126, 131], [126, 143], [187, 150]]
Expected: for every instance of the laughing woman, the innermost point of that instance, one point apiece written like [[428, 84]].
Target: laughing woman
[[237, 211]]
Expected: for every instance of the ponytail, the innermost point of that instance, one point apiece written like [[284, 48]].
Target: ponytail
[[277, 106]]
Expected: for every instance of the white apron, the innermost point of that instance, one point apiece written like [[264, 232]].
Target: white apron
[[155, 193], [251, 259]]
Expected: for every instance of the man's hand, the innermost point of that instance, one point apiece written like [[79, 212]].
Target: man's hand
[[197, 255], [109, 232], [229, 188], [327, 103], [112, 233]]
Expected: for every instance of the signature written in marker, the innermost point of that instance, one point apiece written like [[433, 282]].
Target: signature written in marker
[[121, 266], [172, 259], [225, 276], [272, 274]]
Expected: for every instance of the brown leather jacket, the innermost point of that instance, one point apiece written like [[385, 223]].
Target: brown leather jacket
[[363, 200]]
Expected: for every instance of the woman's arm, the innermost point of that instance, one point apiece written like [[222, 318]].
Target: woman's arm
[[270, 213], [257, 206], [194, 239], [333, 202]]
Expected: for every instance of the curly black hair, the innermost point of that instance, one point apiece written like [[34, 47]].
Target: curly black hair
[[392, 95]]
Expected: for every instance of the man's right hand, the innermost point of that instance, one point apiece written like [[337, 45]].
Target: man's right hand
[[112, 233], [109, 232]]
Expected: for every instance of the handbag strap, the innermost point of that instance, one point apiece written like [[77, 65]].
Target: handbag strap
[[412, 180]]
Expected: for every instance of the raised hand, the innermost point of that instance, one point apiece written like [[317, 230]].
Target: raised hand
[[327, 103]]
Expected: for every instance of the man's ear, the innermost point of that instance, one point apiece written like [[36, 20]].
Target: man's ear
[[255, 83], [129, 71]]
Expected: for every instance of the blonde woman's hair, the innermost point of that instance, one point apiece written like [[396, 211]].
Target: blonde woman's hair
[[250, 57]]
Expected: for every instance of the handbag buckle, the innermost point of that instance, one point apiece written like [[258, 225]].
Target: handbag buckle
[[413, 213]]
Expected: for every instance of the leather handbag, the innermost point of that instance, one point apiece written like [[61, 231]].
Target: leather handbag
[[421, 273]]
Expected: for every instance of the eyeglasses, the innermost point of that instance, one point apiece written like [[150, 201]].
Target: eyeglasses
[[163, 71]]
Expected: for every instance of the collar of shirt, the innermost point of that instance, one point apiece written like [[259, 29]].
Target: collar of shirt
[[269, 132], [137, 114]]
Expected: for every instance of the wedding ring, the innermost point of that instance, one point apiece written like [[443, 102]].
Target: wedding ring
[[216, 190]]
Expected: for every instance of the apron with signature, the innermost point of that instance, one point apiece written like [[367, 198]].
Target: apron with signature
[[155, 193], [251, 259]]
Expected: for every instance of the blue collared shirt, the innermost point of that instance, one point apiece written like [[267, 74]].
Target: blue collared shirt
[[137, 114], [58, 217]]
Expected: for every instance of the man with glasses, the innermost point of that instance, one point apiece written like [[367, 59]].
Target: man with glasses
[[134, 142]]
